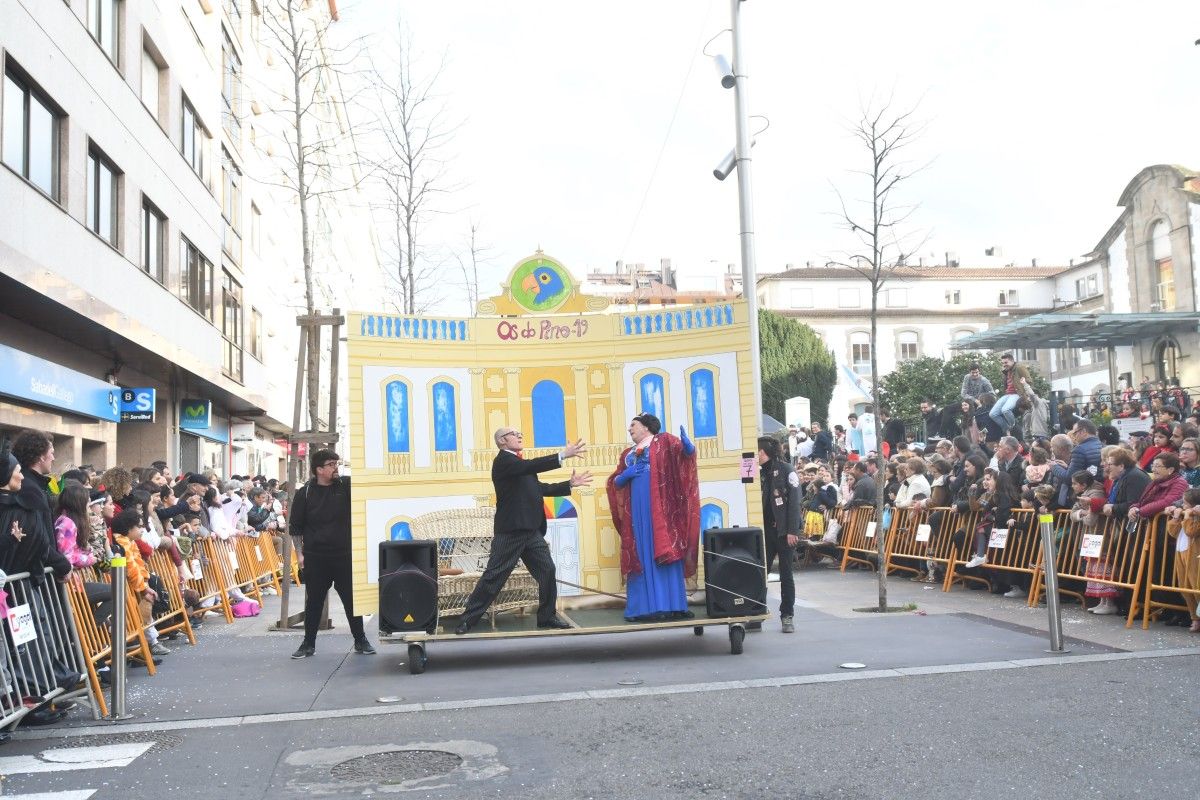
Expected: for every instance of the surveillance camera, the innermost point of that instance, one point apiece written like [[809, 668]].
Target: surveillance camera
[[726, 166], [725, 71]]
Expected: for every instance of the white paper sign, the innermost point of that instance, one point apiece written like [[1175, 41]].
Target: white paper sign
[[923, 533], [232, 561], [258, 552], [1091, 545], [20, 622], [196, 569], [998, 539], [870, 530]]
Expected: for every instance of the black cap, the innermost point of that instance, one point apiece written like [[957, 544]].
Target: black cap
[[650, 421]]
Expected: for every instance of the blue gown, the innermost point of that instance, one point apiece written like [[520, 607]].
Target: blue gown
[[658, 591]]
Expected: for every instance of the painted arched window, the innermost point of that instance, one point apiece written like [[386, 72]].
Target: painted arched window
[[549, 415], [653, 397], [704, 406], [445, 421], [1164, 269], [396, 414], [711, 516], [400, 531]]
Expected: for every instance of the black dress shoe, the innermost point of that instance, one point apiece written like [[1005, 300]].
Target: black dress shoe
[[43, 716], [364, 648], [304, 651], [464, 627], [555, 624]]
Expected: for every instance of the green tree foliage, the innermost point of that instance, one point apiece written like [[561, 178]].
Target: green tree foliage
[[794, 363], [912, 381]]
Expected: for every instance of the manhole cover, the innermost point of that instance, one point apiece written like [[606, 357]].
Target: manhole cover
[[396, 766], [162, 740]]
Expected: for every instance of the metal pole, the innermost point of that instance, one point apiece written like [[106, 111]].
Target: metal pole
[[1050, 567], [117, 639], [746, 203]]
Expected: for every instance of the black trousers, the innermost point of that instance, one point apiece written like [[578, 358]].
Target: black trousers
[[320, 573], [508, 548], [777, 546]]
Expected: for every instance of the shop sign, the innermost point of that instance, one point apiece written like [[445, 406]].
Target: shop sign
[[241, 432], [37, 380], [195, 415], [137, 405]]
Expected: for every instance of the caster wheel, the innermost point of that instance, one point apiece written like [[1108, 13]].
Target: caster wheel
[[737, 634], [416, 658], [698, 630]]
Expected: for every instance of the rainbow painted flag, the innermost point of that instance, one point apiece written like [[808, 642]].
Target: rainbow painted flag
[[560, 508]]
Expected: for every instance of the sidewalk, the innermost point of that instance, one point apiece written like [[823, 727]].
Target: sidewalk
[[243, 669]]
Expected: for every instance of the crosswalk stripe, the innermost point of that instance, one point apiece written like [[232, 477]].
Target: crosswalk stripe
[[75, 758], [72, 794]]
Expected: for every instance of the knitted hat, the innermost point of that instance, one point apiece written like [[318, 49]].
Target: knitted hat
[[8, 465]]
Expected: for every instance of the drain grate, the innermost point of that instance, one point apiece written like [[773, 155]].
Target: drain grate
[[396, 766], [162, 740]]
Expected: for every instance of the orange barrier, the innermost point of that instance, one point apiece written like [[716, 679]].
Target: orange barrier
[[908, 541], [1172, 570], [1015, 550], [176, 617], [211, 577], [857, 541]]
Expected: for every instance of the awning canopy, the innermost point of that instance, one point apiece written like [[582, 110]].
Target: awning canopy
[[1092, 330]]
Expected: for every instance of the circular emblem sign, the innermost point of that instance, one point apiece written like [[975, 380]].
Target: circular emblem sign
[[540, 285]]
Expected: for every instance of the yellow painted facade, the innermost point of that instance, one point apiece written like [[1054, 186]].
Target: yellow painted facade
[[426, 395]]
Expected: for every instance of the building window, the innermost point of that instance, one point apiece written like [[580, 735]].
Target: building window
[[1087, 287], [848, 298], [801, 298], [152, 74], [231, 205], [105, 26], [1008, 297], [711, 516], [103, 194], [549, 415], [961, 333], [231, 90], [255, 230], [445, 420], [194, 141], [1027, 355], [703, 388], [908, 345], [654, 396], [396, 414], [897, 298], [953, 297], [860, 353], [231, 325], [31, 130], [255, 339], [1164, 268], [195, 278], [154, 230]]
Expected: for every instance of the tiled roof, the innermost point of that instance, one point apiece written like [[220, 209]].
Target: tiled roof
[[917, 273]]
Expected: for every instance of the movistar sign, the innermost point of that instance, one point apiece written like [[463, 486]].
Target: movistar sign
[[195, 414]]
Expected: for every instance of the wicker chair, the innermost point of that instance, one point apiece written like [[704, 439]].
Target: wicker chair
[[464, 537]]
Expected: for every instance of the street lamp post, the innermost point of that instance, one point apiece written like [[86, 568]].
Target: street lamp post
[[746, 202]]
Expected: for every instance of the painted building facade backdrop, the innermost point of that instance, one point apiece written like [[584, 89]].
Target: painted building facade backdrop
[[427, 393]]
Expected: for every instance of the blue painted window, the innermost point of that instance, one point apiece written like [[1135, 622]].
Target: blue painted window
[[396, 415], [711, 516], [549, 415], [445, 421], [653, 401], [400, 532], [704, 411]]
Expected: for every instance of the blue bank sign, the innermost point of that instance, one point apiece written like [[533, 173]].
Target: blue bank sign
[[37, 380], [137, 405]]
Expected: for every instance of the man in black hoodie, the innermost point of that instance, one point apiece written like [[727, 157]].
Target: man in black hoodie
[[320, 519]]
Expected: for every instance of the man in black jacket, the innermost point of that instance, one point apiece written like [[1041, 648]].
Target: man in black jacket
[[822, 443], [519, 530], [320, 519], [781, 498]]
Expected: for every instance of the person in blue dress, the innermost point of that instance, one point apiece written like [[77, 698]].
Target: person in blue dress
[[654, 498]]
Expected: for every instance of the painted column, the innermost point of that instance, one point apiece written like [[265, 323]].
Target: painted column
[[616, 398], [513, 377], [582, 403], [483, 437]]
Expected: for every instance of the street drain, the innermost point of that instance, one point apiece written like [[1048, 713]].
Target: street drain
[[161, 739], [396, 766]]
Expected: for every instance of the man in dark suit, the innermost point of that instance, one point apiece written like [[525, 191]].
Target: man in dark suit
[[519, 530]]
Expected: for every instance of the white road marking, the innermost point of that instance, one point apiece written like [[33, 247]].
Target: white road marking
[[75, 758], [72, 794]]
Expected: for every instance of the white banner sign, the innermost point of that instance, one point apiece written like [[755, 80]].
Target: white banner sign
[[998, 539], [196, 569], [1092, 545], [1132, 425], [870, 530], [232, 561], [20, 622], [923, 532]]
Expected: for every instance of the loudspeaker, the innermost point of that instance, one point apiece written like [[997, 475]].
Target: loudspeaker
[[735, 572], [408, 587]]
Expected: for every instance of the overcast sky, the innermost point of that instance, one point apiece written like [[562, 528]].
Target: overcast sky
[[1037, 115]]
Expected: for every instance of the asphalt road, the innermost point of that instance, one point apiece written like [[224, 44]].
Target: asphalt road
[[1121, 728]]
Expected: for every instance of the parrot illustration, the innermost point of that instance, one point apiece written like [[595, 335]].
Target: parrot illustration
[[544, 283]]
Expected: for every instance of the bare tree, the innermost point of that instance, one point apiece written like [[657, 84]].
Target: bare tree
[[469, 262], [317, 159], [410, 137], [879, 222]]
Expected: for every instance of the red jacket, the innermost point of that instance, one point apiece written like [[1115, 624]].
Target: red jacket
[[1161, 494]]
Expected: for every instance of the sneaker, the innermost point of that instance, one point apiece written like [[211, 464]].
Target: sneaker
[[788, 627], [269, 590], [977, 561], [160, 649], [304, 651], [931, 577], [1105, 609], [364, 648], [1016, 591]]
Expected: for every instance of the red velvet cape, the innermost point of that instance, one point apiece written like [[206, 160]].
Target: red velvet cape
[[674, 506]]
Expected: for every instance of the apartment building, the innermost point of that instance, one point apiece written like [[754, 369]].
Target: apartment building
[[145, 244]]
